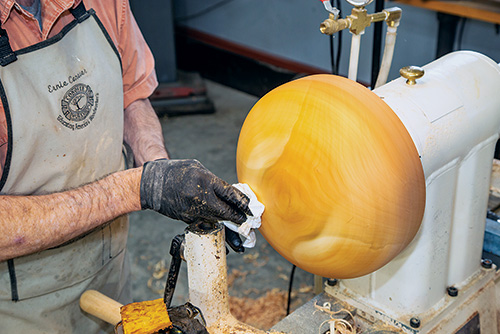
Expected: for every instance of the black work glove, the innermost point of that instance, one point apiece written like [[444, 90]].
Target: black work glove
[[187, 191], [233, 240]]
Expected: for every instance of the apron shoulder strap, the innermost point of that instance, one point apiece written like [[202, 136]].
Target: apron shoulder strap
[[79, 12], [7, 56]]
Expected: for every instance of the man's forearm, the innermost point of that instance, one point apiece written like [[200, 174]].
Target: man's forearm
[[34, 223], [142, 131]]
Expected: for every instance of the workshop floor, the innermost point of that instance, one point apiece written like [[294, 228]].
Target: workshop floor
[[258, 273]]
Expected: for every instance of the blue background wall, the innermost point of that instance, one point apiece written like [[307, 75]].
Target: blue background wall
[[290, 29]]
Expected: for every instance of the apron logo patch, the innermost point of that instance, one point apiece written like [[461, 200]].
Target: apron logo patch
[[78, 107]]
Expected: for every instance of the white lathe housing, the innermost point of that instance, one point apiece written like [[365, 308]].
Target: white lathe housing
[[453, 116]]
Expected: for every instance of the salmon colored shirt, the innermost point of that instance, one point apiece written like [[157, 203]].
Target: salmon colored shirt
[[139, 78]]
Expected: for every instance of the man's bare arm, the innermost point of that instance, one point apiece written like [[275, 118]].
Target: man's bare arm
[[33, 223], [142, 131]]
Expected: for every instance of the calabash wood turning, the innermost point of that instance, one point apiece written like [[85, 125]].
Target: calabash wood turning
[[339, 174]]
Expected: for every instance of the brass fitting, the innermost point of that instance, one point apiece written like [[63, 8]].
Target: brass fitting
[[393, 16], [359, 20], [331, 25]]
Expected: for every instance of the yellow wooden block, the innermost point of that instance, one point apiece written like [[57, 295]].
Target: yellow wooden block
[[145, 317]]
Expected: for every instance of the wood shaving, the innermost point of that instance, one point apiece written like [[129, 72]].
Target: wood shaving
[[495, 191], [339, 326], [252, 258], [495, 178], [251, 291], [235, 275], [155, 286], [160, 270], [264, 249], [262, 263], [306, 289], [156, 282], [283, 277], [263, 312]]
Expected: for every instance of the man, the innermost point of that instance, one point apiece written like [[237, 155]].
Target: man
[[73, 85]]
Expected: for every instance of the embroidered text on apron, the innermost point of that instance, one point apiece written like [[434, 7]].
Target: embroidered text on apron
[[63, 99]]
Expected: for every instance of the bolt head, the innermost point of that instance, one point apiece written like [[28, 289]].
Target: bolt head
[[452, 291], [415, 322], [486, 263], [332, 281]]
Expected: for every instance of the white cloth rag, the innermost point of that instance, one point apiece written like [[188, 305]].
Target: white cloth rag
[[246, 230]]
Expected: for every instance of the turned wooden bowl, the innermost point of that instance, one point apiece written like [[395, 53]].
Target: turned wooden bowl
[[340, 176]]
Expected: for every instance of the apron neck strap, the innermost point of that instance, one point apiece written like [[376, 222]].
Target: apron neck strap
[[7, 56], [79, 12]]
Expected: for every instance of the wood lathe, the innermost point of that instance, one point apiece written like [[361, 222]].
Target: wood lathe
[[386, 189]]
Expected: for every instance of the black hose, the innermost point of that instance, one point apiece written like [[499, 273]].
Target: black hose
[[339, 48], [332, 58], [460, 36], [290, 290], [377, 44], [335, 61]]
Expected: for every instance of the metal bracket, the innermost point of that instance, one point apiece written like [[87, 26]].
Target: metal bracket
[[176, 251]]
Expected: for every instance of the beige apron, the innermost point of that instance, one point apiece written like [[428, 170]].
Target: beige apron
[[63, 99]]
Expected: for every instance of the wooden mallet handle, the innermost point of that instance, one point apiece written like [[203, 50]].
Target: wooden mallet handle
[[101, 306]]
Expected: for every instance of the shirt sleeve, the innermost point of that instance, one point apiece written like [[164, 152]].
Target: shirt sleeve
[[139, 77]]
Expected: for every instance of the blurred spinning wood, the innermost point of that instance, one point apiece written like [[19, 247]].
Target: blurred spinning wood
[[339, 175]]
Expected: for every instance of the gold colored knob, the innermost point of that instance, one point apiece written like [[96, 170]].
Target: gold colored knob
[[411, 74]]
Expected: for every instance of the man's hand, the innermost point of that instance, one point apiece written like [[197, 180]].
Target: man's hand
[[187, 191]]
